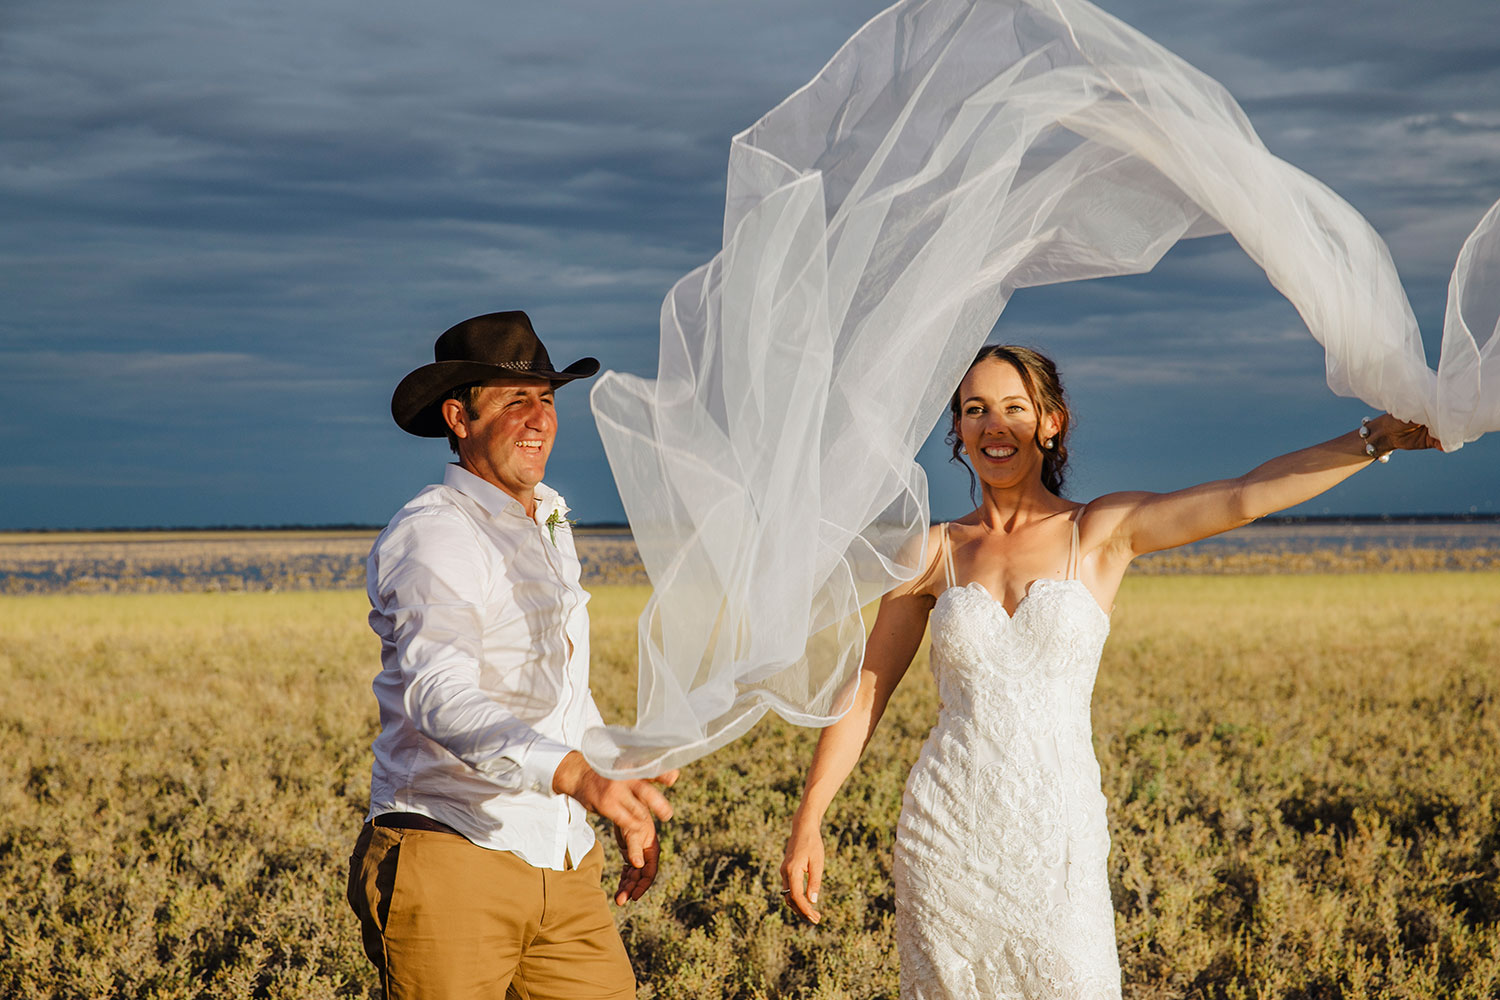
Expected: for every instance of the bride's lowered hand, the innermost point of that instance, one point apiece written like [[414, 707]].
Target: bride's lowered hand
[[897, 633], [802, 867]]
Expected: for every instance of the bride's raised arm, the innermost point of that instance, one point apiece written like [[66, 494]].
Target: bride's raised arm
[[1138, 523]]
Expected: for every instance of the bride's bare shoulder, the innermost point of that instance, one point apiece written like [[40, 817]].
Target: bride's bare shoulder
[[1101, 521], [930, 581]]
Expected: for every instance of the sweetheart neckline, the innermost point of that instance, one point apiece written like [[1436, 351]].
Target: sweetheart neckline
[[1026, 596]]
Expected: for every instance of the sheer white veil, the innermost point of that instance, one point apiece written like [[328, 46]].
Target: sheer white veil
[[875, 224]]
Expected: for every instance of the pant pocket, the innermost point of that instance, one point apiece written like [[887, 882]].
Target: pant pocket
[[353, 891]]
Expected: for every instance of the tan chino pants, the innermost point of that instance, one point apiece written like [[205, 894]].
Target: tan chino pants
[[443, 919]]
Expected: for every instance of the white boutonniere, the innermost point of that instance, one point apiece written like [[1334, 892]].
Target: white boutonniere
[[555, 510]]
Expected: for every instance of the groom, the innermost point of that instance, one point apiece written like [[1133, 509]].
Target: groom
[[477, 873]]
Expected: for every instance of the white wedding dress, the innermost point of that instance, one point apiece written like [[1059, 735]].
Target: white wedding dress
[[1002, 891]]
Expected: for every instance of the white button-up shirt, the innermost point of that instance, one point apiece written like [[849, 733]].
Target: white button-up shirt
[[484, 651]]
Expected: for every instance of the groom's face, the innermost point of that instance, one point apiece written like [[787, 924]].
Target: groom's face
[[508, 442]]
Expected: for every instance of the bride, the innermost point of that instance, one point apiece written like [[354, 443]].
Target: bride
[[1001, 847]]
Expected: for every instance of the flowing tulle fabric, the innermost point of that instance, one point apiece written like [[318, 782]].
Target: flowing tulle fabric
[[875, 224]]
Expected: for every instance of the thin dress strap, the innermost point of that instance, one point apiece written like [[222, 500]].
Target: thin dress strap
[[1073, 551], [947, 557]]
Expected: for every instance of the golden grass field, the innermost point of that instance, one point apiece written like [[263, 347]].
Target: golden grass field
[[1302, 771]]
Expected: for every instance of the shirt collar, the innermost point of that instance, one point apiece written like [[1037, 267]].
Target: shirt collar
[[492, 498]]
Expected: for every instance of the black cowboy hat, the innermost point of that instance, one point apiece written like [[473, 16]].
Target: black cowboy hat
[[495, 345]]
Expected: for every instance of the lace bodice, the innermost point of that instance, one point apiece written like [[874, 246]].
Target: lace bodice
[[1033, 668], [1002, 889]]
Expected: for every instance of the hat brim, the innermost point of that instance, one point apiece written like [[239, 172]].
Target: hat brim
[[415, 403]]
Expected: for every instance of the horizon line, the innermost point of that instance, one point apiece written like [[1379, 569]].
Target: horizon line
[[617, 526]]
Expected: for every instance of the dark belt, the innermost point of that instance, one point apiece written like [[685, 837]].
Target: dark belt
[[412, 821]]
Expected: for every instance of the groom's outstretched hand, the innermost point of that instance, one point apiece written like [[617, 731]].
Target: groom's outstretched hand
[[630, 805], [635, 881]]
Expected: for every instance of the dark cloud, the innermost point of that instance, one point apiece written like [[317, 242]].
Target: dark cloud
[[232, 227]]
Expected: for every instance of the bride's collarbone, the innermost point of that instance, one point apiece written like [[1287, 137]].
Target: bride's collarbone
[[1008, 564], [982, 555]]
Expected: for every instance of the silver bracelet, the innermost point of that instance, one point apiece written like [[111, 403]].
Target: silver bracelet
[[1364, 434]]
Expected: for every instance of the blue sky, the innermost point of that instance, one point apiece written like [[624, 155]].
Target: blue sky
[[231, 227]]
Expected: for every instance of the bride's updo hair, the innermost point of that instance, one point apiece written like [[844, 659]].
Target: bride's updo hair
[[1045, 388]]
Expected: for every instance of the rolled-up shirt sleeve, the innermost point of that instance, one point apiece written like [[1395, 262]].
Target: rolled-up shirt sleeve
[[431, 584]]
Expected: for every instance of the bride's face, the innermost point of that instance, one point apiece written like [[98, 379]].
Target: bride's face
[[998, 424]]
